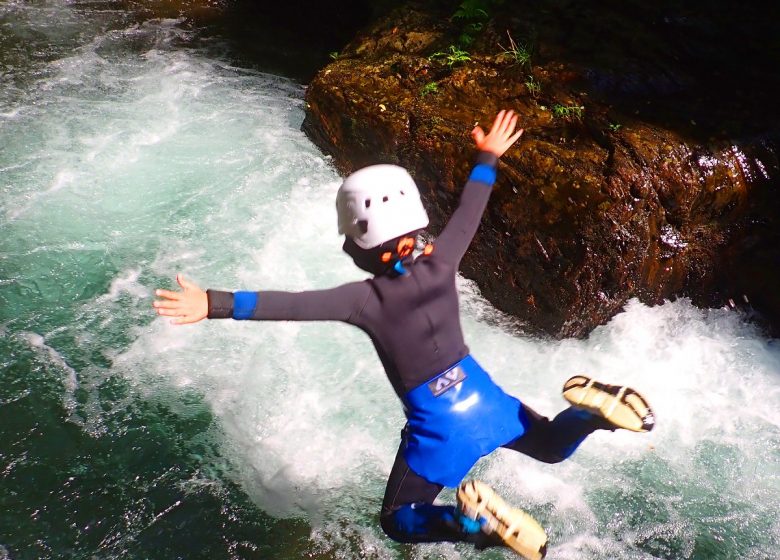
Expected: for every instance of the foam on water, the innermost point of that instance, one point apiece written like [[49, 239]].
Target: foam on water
[[142, 164]]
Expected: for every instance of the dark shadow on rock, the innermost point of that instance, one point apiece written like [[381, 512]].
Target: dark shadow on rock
[[707, 70], [294, 38], [637, 177]]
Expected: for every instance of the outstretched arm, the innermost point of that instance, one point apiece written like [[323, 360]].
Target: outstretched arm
[[193, 304], [451, 245]]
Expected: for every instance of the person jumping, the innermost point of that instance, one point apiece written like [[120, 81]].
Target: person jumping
[[455, 412]]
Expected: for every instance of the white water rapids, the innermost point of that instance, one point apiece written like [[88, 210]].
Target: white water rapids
[[132, 157]]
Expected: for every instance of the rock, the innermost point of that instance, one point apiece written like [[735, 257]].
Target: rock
[[595, 206]]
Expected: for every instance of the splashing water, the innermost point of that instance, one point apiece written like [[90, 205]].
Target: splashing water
[[127, 156]]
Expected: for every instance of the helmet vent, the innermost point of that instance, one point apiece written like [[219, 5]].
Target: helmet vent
[[378, 203]]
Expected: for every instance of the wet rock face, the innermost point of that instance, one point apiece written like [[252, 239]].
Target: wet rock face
[[610, 195]]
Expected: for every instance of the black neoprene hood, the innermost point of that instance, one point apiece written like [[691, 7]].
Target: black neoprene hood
[[371, 260]]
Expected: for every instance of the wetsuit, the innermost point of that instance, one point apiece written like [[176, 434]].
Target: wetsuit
[[412, 318]]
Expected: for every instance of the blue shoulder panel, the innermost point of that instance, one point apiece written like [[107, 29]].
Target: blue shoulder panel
[[244, 304], [483, 173]]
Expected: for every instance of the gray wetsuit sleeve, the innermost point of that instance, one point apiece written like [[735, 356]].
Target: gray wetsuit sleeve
[[343, 303], [456, 237]]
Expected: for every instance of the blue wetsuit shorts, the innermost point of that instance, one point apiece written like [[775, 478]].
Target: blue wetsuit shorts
[[454, 419]]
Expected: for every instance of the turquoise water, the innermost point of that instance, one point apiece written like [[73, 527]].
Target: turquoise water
[[128, 154]]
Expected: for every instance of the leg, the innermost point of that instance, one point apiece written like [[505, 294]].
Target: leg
[[595, 406], [552, 442], [481, 518], [408, 514]]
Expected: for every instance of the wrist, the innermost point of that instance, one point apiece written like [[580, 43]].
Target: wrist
[[485, 157], [220, 304], [484, 171]]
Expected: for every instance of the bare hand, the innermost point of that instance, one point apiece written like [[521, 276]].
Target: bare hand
[[188, 306], [501, 136]]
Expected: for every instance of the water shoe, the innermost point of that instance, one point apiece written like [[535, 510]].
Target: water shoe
[[623, 407], [513, 527]]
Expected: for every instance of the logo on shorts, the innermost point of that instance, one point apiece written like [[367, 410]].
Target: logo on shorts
[[446, 380]]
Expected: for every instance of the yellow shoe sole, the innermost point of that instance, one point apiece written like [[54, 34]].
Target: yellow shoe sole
[[622, 406], [518, 530]]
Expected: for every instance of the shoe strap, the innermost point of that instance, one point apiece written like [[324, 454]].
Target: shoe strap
[[468, 525]]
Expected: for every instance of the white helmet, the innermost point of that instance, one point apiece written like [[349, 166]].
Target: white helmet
[[379, 203]]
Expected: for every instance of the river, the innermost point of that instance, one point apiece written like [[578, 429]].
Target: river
[[134, 149]]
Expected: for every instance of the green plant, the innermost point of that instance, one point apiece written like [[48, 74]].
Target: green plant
[[518, 54], [465, 40], [567, 111], [614, 127], [334, 55], [534, 87], [467, 37], [454, 56], [472, 10], [430, 87], [473, 14]]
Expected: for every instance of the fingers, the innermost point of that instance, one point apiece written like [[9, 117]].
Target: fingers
[[166, 304], [186, 284], [502, 134], [512, 125], [515, 137], [169, 294], [172, 309], [182, 316], [478, 135], [508, 125], [503, 125], [166, 312], [187, 306], [497, 122]]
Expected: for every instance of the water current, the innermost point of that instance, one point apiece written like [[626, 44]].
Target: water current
[[130, 152]]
